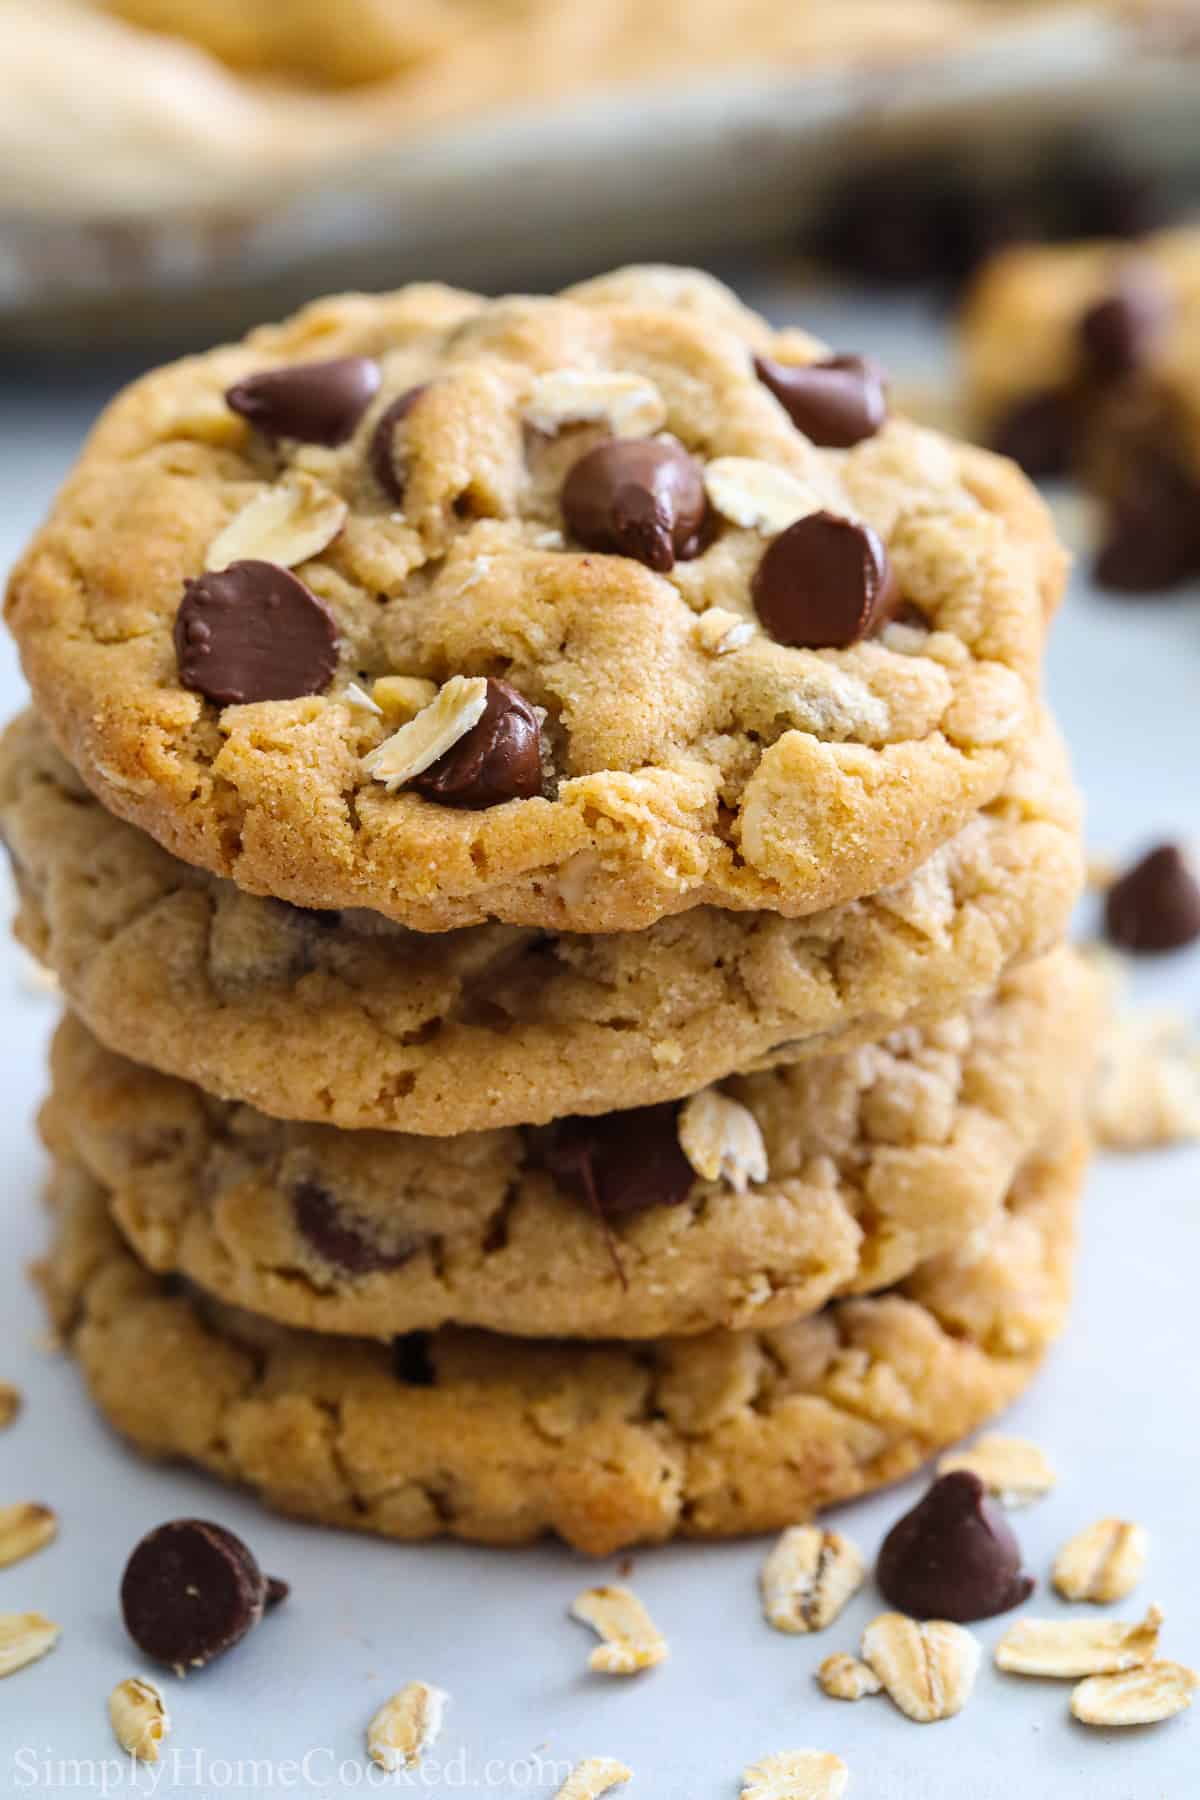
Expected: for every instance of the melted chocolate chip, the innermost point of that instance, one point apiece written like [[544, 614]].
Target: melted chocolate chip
[[824, 583], [836, 403], [954, 1556], [621, 1163], [637, 497], [1039, 433], [381, 450], [342, 1238], [319, 403], [192, 1590], [1119, 333], [1155, 906], [252, 632], [412, 1363], [499, 759]]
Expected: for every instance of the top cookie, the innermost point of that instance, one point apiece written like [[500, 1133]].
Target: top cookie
[[573, 612]]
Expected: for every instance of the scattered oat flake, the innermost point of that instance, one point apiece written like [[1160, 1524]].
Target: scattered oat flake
[[631, 1639], [796, 1775], [139, 1718], [757, 495], [24, 1637], [286, 524], [1065, 1649], [1146, 1089], [808, 1578], [722, 1140], [719, 631], [10, 1403], [24, 1529], [593, 1777], [457, 709], [1105, 1562], [1142, 1696], [359, 697], [1013, 1470], [630, 404], [928, 1669], [405, 1726], [844, 1677]]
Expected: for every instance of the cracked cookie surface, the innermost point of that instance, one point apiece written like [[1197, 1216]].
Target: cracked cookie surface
[[354, 1022], [705, 725], [468, 1435], [871, 1163]]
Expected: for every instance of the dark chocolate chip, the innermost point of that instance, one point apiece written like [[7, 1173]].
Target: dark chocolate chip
[[412, 1363], [344, 1239], [638, 497], [621, 1163], [381, 450], [1155, 906], [252, 632], [319, 403], [824, 583], [1152, 525], [836, 403], [276, 1593], [192, 1590], [954, 1556], [1039, 433], [499, 759], [1119, 333]]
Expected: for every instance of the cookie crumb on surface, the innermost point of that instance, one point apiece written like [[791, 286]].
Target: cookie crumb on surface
[[10, 1403]]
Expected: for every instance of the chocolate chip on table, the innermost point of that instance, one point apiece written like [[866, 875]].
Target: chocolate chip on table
[[837, 403], [824, 583], [318, 402], [192, 1590], [637, 497], [954, 1556], [1152, 524], [1118, 333], [499, 759], [381, 450], [1039, 433], [621, 1163], [343, 1239], [252, 632], [1155, 906]]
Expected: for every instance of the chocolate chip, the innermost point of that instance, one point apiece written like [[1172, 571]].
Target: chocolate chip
[[637, 497], [836, 403], [343, 1238], [1155, 906], [1039, 433], [499, 759], [380, 451], [412, 1363], [621, 1163], [1119, 333], [954, 1556], [824, 583], [192, 1590], [1152, 524], [319, 403], [276, 1593], [252, 632]]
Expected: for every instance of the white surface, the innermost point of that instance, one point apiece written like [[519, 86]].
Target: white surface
[[1116, 1408]]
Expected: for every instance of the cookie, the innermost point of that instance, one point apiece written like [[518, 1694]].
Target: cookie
[[346, 1020], [1081, 359], [469, 1435], [747, 1206], [574, 613]]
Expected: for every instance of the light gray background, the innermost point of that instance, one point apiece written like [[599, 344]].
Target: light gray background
[[1116, 1408]]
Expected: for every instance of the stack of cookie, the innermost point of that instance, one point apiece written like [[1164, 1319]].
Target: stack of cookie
[[543, 817]]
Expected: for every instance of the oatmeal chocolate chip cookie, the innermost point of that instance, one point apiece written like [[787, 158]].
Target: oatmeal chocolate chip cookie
[[624, 622], [1082, 359], [501, 1440], [348, 1020], [745, 1206]]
